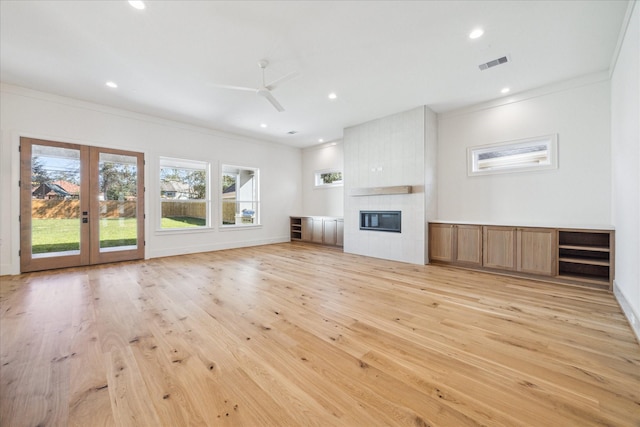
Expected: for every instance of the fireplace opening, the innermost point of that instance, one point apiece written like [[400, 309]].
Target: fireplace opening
[[381, 221]]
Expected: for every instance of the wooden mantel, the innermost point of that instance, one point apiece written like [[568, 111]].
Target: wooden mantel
[[380, 191]]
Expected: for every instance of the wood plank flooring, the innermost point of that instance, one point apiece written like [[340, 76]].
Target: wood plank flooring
[[304, 335]]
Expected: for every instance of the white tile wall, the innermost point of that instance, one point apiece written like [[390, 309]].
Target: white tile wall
[[387, 152]]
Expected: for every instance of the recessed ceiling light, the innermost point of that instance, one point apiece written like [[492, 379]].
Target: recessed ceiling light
[[263, 125], [137, 4], [320, 140], [332, 95], [505, 90], [478, 32], [111, 84]]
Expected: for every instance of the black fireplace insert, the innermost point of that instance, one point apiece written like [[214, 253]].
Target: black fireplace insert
[[381, 221]]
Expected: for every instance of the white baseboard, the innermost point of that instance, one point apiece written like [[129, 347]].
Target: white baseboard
[[627, 309], [214, 247]]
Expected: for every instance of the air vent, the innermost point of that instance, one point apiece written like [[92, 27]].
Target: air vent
[[292, 132], [493, 63]]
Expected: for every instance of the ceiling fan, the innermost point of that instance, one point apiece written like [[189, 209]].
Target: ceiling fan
[[265, 89]]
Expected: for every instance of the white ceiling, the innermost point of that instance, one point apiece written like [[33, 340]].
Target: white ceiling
[[379, 57]]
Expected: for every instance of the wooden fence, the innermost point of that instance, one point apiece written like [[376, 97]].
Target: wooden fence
[[70, 209], [182, 209]]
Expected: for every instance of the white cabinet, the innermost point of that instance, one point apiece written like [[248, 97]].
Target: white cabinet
[[317, 232], [318, 229]]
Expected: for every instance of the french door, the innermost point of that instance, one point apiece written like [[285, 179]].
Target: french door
[[79, 205]]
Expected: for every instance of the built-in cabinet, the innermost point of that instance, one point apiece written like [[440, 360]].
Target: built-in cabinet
[[536, 251], [567, 255], [316, 229], [456, 243], [499, 244], [585, 256]]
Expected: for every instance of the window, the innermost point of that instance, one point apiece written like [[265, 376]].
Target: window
[[328, 178], [514, 156], [240, 196], [184, 194]]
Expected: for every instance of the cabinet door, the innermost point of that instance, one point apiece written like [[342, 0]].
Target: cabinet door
[[499, 245], [441, 242], [468, 247], [316, 232], [329, 233], [307, 229], [340, 233], [536, 251]]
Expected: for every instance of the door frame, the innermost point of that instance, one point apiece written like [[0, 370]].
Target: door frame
[[89, 185]]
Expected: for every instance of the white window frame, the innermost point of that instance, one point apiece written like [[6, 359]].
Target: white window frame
[[495, 158], [256, 216], [172, 162], [317, 178]]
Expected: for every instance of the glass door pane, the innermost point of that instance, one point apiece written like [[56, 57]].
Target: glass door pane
[[55, 203], [118, 202], [79, 205]]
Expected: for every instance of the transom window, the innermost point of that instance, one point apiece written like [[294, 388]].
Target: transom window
[[328, 178], [184, 194], [240, 196], [514, 156]]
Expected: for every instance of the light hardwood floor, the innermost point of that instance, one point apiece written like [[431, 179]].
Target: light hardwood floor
[[304, 335]]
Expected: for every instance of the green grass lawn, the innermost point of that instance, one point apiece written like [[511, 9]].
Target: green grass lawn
[[183, 222], [59, 235]]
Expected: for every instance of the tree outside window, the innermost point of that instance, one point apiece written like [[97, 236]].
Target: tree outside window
[[328, 178], [184, 193]]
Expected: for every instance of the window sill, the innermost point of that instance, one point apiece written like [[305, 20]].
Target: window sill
[[194, 230], [233, 227]]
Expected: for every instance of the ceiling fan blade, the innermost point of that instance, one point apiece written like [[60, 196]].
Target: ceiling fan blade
[[267, 95], [274, 84], [246, 89]]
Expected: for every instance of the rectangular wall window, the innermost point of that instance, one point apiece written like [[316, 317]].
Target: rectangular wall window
[[184, 194], [514, 156], [328, 178], [240, 196]]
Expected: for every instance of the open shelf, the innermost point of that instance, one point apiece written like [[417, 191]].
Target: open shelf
[[296, 228], [588, 248], [585, 255]]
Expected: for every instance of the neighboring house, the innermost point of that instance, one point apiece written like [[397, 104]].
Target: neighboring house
[[174, 190], [69, 187], [229, 192], [49, 191]]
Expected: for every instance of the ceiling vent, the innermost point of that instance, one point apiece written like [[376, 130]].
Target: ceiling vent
[[292, 132], [493, 63]]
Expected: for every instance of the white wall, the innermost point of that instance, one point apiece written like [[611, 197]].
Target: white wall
[[388, 152], [625, 140], [322, 201], [576, 194], [28, 113]]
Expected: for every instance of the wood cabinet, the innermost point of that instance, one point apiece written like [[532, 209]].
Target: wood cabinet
[[536, 251], [441, 242], [524, 249], [321, 230], [499, 247], [577, 256], [456, 243]]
